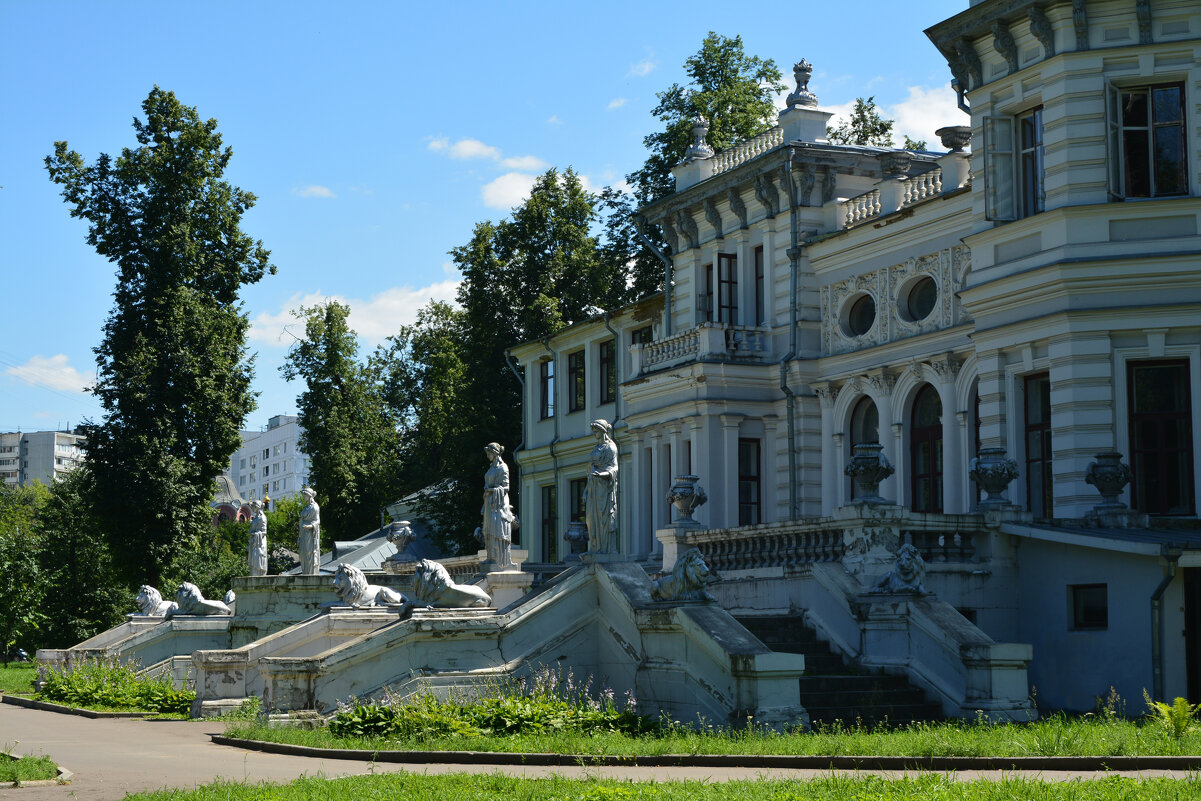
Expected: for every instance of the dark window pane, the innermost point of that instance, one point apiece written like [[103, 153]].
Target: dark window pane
[[865, 422], [1137, 163], [862, 316], [1090, 606], [927, 409], [1168, 105], [1134, 109], [1169, 161], [922, 298]]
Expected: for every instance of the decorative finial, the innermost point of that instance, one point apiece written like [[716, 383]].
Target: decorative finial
[[699, 149], [802, 71]]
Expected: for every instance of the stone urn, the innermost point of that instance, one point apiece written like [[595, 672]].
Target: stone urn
[[686, 496], [992, 473], [1110, 476], [896, 164], [869, 466], [955, 137], [577, 536]]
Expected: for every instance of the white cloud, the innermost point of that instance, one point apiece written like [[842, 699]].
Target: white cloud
[[925, 110], [466, 149], [616, 102], [508, 190], [373, 319], [439, 143], [54, 372], [529, 163], [642, 68], [313, 190], [553, 119]]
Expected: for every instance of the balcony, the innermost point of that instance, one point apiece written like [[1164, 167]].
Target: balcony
[[707, 342]]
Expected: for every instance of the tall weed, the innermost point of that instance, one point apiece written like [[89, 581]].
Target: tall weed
[[108, 683]]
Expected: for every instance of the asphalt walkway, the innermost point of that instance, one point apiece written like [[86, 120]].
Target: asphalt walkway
[[113, 757]]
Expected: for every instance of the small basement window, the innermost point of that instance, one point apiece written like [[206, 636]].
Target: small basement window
[[1089, 606]]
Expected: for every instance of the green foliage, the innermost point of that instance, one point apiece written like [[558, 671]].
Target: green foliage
[[1176, 718], [109, 684], [173, 373], [914, 144], [865, 127], [21, 583], [211, 566], [351, 441], [27, 769], [17, 677]]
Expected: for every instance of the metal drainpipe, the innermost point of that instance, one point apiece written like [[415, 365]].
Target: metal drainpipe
[[794, 261], [1172, 554], [554, 457], [668, 267]]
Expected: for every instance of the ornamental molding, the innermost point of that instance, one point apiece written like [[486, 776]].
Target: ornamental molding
[[1143, 9], [713, 216], [687, 228], [737, 206], [766, 194], [1003, 43], [1080, 23], [1041, 29], [888, 287]]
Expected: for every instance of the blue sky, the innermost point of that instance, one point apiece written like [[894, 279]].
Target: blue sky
[[374, 135]]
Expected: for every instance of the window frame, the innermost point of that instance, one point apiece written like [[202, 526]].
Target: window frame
[[1076, 620], [1136, 455], [607, 362], [550, 522], [750, 503], [760, 287], [546, 389], [1006, 195], [1045, 435], [1115, 143], [727, 288], [577, 381]]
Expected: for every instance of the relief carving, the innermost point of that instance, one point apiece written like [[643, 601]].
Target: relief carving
[[687, 228], [1003, 43], [738, 207], [1040, 27], [1080, 23], [713, 216], [765, 193]]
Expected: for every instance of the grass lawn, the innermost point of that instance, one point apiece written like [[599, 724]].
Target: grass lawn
[[26, 769], [456, 787], [17, 677], [1056, 736]]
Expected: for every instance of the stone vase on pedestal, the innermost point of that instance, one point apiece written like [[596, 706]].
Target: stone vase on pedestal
[[869, 466], [686, 496], [576, 539], [992, 473], [1110, 476]]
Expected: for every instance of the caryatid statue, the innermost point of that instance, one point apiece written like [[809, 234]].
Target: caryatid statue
[[600, 493], [309, 541], [257, 553], [497, 530]]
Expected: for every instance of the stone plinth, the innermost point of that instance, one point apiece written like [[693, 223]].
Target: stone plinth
[[673, 540], [507, 586], [518, 555]]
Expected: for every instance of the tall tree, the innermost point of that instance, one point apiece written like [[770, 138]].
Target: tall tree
[[173, 372], [22, 585], [348, 435], [866, 126]]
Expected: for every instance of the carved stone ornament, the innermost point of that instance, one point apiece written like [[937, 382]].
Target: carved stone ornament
[[869, 466], [1110, 476], [686, 495], [829, 183], [1003, 43], [992, 473], [600, 491], [400, 534], [947, 367], [352, 589], [699, 149], [971, 62], [669, 235], [190, 601], [737, 206], [896, 164], [765, 193], [433, 587], [882, 381], [686, 581], [1080, 23], [150, 602], [308, 542], [955, 137], [805, 185], [1142, 8], [825, 394], [906, 576], [577, 536], [1041, 28], [713, 216], [686, 226], [802, 71], [256, 554]]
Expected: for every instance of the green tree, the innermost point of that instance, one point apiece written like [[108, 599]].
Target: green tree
[[21, 583], [865, 126], [348, 434], [173, 373], [914, 144], [83, 594]]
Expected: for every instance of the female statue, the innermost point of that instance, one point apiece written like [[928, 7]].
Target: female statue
[[497, 530], [600, 493], [257, 556], [309, 541]]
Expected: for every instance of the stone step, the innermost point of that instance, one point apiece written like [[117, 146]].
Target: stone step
[[844, 682], [904, 697]]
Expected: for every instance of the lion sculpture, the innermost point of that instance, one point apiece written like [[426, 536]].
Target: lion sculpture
[[907, 575], [433, 587], [686, 581], [190, 601], [352, 589], [150, 602]]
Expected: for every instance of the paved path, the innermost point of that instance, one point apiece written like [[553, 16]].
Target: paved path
[[113, 757]]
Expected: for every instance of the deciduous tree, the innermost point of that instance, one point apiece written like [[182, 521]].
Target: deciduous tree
[[865, 126]]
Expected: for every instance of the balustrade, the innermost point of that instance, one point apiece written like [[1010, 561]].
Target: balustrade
[[743, 152], [705, 342], [936, 546], [917, 188]]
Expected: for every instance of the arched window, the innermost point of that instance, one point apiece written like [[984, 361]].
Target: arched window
[[865, 427], [925, 448]]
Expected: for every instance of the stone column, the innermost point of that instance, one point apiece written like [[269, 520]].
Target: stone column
[[830, 495], [954, 472], [631, 483], [659, 482], [883, 381], [728, 517], [837, 445], [901, 463]]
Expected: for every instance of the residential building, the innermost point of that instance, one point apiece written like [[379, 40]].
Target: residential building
[[270, 464], [1040, 294], [43, 456]]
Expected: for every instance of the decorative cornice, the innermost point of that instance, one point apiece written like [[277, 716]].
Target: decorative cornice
[[1080, 23], [687, 227], [766, 194], [1003, 43], [713, 216], [737, 206], [1041, 29], [1143, 9]]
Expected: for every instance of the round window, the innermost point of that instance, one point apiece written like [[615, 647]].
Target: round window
[[862, 316], [921, 299]]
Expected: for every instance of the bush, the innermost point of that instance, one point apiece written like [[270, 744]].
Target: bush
[[108, 683]]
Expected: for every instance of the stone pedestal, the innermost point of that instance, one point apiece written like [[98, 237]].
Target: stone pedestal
[[507, 586], [518, 555], [673, 542]]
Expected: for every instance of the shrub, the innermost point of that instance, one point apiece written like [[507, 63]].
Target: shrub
[[106, 682], [1176, 718]]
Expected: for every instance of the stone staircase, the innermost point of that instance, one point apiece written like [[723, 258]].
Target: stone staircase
[[833, 690]]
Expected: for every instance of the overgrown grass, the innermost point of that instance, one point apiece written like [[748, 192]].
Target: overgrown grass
[[460, 787], [26, 769], [109, 686], [17, 677]]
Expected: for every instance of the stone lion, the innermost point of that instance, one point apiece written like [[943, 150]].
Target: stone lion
[[432, 586], [190, 601], [352, 589], [686, 581], [907, 575], [150, 602]]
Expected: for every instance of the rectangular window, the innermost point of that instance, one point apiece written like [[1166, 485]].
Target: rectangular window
[[241, 481], [705, 298], [253, 477], [1161, 437], [1089, 606], [1013, 165], [266, 453], [1147, 143], [550, 523], [642, 336], [576, 382], [749, 484], [1039, 481], [546, 388], [760, 288], [266, 470], [275, 486], [727, 288], [275, 450], [243, 464], [575, 491], [608, 371]]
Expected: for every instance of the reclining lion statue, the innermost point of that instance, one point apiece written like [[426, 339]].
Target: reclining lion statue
[[150, 602], [352, 589], [190, 601], [686, 581], [433, 587]]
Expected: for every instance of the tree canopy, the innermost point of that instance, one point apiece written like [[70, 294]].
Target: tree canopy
[[173, 373]]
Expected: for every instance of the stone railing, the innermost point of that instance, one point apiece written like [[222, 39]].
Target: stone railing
[[936, 546], [914, 190], [742, 152], [861, 208], [920, 187], [461, 568], [707, 342], [751, 547]]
